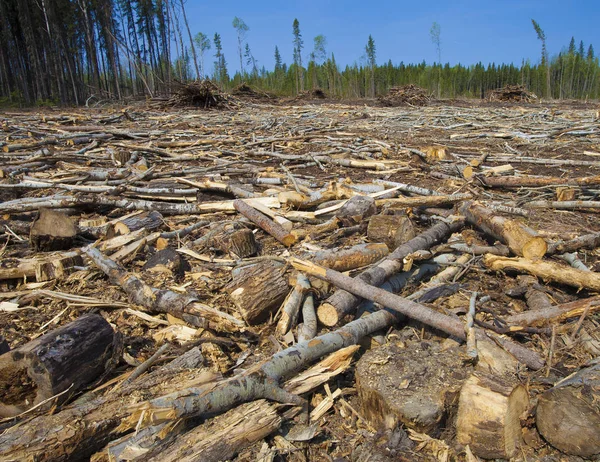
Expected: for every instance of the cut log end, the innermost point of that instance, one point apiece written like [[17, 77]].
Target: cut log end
[[535, 249], [328, 315], [488, 416], [52, 230]]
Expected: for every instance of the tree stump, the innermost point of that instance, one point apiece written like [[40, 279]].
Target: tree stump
[[392, 230], [356, 210], [568, 415], [241, 244], [489, 409], [71, 356], [52, 230], [415, 386], [257, 290]]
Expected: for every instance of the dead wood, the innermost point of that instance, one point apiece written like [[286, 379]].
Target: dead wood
[[521, 240], [341, 302], [587, 241], [489, 410], [52, 230], [354, 257], [42, 268], [264, 222], [88, 424], [568, 415], [261, 381], [406, 95], [258, 290], [555, 313], [512, 93], [185, 306], [532, 181], [392, 230], [411, 309], [547, 270], [67, 358]]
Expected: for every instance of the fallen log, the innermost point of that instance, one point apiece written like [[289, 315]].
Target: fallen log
[[587, 241], [533, 181], [424, 201], [521, 240], [67, 358], [392, 230], [261, 381], [489, 409], [183, 306], [568, 415], [87, 425], [264, 222], [351, 258], [342, 302], [45, 268], [547, 270], [563, 205], [413, 310], [555, 313]]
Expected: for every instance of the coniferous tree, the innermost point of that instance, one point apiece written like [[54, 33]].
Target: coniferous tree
[[371, 59], [545, 64], [220, 63], [298, 45]]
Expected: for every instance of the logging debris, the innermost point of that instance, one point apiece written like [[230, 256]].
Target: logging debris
[[300, 281], [512, 93]]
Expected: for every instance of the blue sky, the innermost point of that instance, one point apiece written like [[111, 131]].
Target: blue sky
[[471, 30]]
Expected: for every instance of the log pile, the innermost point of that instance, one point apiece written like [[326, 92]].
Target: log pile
[[512, 94], [300, 283], [201, 94], [406, 95]]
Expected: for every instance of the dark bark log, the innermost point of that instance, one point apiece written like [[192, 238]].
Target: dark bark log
[[357, 209], [52, 230], [553, 313], [241, 244], [88, 424], [568, 415], [588, 241], [341, 302], [69, 357]]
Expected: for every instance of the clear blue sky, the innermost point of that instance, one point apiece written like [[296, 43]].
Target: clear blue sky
[[471, 30]]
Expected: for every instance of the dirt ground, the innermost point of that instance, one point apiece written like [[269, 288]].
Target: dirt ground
[[299, 140]]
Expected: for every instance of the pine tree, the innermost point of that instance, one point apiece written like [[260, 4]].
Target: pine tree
[[278, 62], [371, 59], [220, 63], [298, 45], [545, 62]]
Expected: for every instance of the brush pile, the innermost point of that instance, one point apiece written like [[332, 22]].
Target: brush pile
[[512, 93], [410, 95], [203, 94], [247, 92], [316, 93]]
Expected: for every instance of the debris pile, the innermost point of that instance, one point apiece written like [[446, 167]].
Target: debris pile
[[316, 93], [178, 282], [512, 93], [203, 94], [245, 91], [410, 94]]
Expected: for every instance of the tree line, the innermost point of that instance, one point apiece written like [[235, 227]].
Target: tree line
[[77, 51]]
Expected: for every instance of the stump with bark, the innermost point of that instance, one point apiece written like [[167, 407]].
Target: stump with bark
[[52, 230]]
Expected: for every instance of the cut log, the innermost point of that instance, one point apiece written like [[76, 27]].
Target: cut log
[[521, 240], [489, 411], [533, 181], [547, 270], [222, 437], [53, 266], [264, 222], [89, 423], [351, 258], [258, 290], [414, 386], [168, 260], [342, 302], [425, 201], [392, 230], [536, 298], [69, 357], [4, 347], [568, 415], [52, 230], [553, 313]]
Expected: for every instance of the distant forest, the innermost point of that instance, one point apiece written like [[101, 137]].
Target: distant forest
[[82, 51]]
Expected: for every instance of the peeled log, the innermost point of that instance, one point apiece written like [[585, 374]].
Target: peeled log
[[52, 230], [548, 270], [71, 356], [568, 415], [488, 416], [258, 290], [521, 240]]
